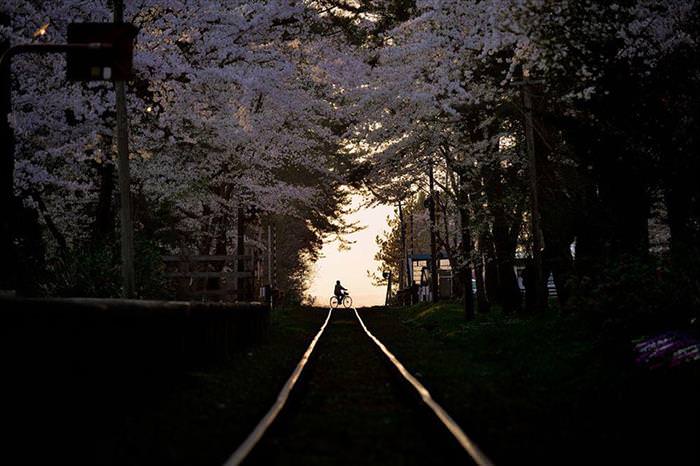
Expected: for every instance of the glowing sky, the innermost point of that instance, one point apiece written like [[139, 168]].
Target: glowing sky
[[350, 267]]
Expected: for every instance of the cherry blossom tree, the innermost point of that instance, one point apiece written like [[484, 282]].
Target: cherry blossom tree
[[442, 88], [230, 107]]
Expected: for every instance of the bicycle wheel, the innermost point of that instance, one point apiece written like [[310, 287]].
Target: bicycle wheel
[[347, 301], [334, 302]]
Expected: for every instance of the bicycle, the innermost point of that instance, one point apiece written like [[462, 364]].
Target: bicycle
[[346, 302]]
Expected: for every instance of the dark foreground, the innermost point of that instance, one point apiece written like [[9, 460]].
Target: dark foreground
[[540, 390], [100, 414]]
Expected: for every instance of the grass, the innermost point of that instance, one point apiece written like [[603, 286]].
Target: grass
[[546, 389]]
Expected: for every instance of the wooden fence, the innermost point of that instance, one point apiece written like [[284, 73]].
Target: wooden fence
[[72, 335], [76, 373], [210, 278]]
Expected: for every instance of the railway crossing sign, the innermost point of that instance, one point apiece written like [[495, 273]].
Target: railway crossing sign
[[99, 64]]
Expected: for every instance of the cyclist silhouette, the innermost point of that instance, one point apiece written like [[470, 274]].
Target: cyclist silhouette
[[339, 291]]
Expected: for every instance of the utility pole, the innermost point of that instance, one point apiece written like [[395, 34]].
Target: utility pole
[[540, 288], [126, 225], [433, 246]]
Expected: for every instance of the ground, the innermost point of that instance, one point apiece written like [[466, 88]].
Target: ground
[[352, 409], [544, 389], [547, 389]]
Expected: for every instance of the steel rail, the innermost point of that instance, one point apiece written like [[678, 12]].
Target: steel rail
[[249, 443], [469, 446]]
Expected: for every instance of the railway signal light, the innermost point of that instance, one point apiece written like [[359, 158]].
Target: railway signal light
[[99, 64]]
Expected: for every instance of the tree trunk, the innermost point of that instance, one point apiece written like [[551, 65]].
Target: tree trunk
[[465, 269], [50, 224], [679, 197], [403, 266], [504, 245], [434, 292], [9, 260], [482, 299], [558, 261], [482, 304], [244, 291], [627, 211], [104, 226]]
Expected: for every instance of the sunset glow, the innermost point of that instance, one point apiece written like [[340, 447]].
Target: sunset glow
[[350, 267]]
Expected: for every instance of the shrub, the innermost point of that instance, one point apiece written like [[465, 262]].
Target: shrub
[[627, 295], [95, 271]]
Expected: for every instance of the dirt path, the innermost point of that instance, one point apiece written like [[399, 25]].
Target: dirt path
[[351, 409]]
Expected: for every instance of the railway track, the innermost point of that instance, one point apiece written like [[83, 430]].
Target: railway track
[[426, 432]]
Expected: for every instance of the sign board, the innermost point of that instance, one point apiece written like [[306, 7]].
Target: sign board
[[99, 64]]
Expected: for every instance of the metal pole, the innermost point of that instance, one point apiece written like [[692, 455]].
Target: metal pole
[[536, 231], [126, 226]]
